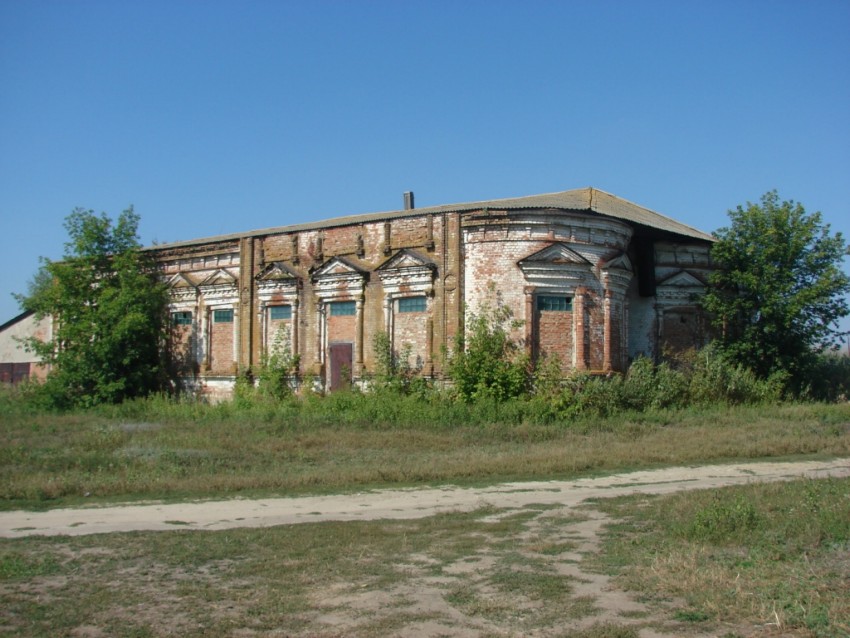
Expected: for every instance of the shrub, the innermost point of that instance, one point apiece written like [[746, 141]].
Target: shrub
[[487, 362], [716, 379], [723, 520], [828, 378], [394, 372], [647, 386], [278, 369], [273, 380]]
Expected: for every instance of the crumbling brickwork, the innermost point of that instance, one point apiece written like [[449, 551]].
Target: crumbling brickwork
[[591, 278]]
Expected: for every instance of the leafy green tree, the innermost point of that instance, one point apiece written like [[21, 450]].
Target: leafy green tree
[[109, 311], [779, 291]]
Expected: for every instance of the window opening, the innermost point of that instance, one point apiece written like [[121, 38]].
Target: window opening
[[343, 308], [551, 303], [277, 313], [181, 318], [411, 304], [223, 316]]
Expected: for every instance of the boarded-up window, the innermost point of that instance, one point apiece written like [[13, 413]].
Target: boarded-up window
[[554, 327]]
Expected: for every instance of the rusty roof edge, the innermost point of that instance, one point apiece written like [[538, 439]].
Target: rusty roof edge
[[584, 196]]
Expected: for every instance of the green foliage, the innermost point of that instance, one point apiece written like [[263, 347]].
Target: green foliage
[[109, 310], [695, 378], [486, 361], [723, 519], [780, 291], [714, 378], [828, 378], [394, 371], [279, 368]]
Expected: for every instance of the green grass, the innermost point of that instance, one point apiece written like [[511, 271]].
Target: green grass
[[774, 554], [165, 450]]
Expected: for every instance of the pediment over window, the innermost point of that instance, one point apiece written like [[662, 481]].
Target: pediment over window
[[180, 281], [555, 254], [337, 266], [556, 266], [679, 288], [219, 287], [338, 278], [406, 258], [406, 271], [277, 282], [620, 262], [682, 279], [219, 278], [182, 289], [277, 271]]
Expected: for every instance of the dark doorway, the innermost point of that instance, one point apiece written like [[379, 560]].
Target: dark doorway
[[340, 355]]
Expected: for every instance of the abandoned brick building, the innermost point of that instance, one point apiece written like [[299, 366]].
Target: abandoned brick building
[[595, 280]]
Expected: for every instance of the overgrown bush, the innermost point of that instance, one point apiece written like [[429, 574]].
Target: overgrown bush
[[716, 379], [827, 378], [486, 361], [279, 368], [394, 371], [276, 377]]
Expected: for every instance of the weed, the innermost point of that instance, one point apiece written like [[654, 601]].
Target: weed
[[723, 520], [20, 566]]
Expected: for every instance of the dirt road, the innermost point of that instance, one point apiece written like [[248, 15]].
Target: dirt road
[[396, 503]]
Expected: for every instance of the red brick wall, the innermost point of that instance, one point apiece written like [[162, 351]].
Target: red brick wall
[[342, 328], [221, 348], [555, 335], [596, 319], [411, 328]]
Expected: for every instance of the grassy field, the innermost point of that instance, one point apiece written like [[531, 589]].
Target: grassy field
[[195, 451], [756, 560]]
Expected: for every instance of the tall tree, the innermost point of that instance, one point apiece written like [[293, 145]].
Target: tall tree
[[109, 311], [779, 290]]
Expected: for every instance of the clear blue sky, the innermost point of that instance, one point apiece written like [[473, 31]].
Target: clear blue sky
[[214, 116]]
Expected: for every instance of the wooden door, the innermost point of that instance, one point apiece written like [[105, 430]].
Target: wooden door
[[341, 358]]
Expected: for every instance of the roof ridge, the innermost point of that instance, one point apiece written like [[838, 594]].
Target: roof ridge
[[587, 198]]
